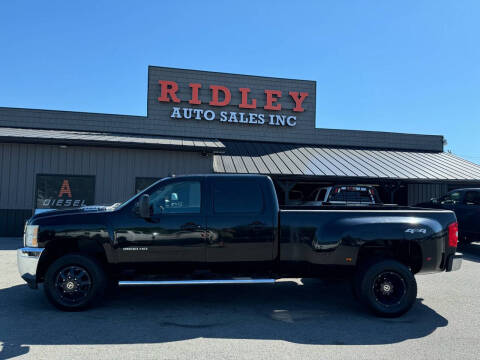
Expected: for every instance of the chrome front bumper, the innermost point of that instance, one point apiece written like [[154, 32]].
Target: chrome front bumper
[[27, 261]]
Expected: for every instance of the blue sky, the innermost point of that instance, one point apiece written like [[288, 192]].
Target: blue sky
[[406, 66]]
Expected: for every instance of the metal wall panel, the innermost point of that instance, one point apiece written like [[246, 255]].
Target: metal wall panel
[[115, 169], [418, 193]]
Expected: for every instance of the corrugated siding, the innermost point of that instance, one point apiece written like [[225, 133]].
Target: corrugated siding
[[296, 159], [419, 193], [115, 169]]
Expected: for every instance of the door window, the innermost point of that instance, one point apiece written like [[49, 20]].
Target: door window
[[237, 197], [451, 198], [321, 194], [178, 198], [472, 198]]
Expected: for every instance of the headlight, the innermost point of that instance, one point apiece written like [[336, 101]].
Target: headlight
[[30, 236]]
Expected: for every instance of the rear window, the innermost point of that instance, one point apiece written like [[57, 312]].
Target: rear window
[[243, 196], [353, 194]]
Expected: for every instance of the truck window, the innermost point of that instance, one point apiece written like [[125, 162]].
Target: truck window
[[178, 198], [317, 195], [454, 197], [354, 194], [237, 197], [472, 198], [321, 195]]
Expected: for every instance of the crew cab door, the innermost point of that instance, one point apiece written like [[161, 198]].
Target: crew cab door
[[240, 223], [175, 232]]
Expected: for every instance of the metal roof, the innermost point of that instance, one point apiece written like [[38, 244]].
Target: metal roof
[[69, 137], [301, 160]]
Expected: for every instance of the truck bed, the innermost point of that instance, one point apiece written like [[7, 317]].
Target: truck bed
[[335, 235]]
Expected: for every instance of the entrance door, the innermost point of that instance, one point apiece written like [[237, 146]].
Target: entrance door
[[175, 232]]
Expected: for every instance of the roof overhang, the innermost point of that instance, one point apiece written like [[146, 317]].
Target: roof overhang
[[330, 163], [83, 138]]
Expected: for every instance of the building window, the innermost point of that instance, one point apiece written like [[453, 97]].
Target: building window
[[64, 191]]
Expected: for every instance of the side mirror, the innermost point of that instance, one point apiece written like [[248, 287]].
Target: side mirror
[[144, 206]]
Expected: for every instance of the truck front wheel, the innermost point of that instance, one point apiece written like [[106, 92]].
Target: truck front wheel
[[74, 282], [387, 287]]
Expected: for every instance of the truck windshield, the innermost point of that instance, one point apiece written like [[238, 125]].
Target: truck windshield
[[136, 196]]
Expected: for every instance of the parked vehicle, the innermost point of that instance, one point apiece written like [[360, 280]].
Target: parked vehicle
[[230, 229], [343, 195], [466, 205]]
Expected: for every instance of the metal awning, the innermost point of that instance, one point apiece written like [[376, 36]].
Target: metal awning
[[331, 162], [69, 137]]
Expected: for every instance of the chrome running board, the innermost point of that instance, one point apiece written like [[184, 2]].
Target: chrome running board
[[195, 282]]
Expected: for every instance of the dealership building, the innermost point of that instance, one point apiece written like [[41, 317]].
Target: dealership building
[[208, 122]]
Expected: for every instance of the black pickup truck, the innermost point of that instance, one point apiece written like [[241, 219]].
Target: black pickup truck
[[466, 205], [230, 229]]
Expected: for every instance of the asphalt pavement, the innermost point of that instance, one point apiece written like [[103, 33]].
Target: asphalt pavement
[[289, 320]]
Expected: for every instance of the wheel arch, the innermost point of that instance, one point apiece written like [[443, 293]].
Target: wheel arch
[[407, 252], [57, 248]]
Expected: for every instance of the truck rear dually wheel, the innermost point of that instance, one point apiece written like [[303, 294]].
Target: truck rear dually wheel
[[387, 287], [74, 282]]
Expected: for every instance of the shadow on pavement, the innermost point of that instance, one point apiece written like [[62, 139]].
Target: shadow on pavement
[[315, 313]]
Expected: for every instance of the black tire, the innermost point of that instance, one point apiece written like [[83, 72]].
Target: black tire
[[75, 282], [386, 287]]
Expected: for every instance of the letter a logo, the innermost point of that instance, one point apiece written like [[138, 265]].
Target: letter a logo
[[65, 189]]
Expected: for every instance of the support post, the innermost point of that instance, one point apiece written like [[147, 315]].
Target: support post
[[286, 187]]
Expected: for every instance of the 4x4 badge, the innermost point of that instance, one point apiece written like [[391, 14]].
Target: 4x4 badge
[[413, 231]]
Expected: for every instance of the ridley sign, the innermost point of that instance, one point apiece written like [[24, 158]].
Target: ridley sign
[[207, 104], [221, 96]]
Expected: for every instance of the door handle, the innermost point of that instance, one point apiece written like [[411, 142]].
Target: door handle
[[256, 224], [190, 226]]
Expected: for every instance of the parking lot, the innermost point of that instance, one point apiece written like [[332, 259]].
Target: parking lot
[[282, 321]]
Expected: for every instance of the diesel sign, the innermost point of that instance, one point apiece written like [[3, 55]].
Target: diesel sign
[[60, 192]]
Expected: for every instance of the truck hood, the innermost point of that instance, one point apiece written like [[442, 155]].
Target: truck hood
[[77, 211]]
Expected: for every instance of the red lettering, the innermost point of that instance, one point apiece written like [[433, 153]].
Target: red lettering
[[65, 189], [195, 100], [298, 100], [168, 88], [215, 89], [244, 104], [272, 97]]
